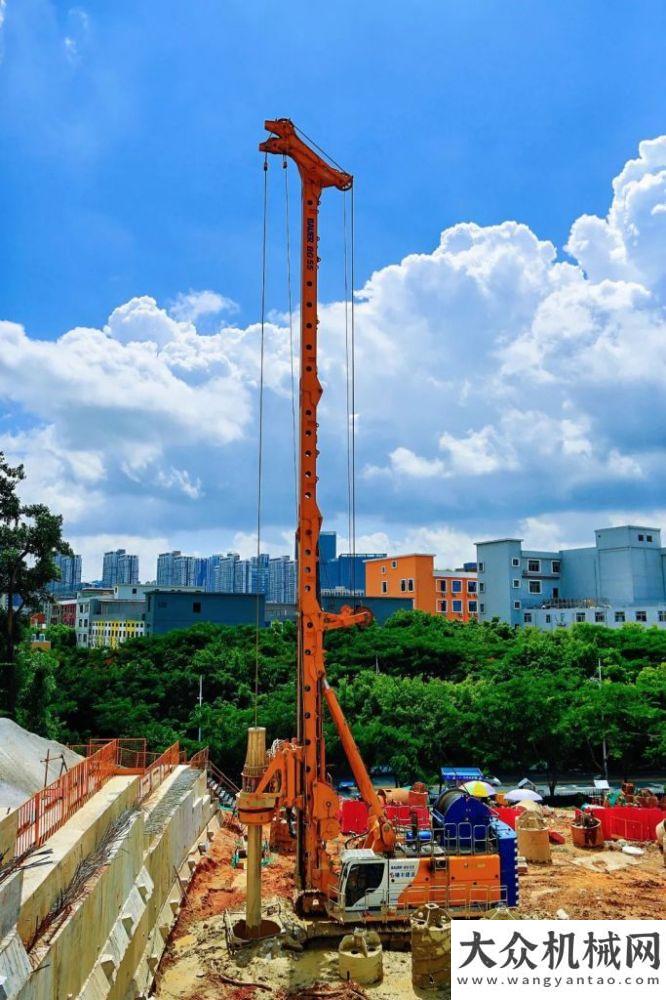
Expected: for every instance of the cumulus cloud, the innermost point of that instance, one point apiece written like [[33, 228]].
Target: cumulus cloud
[[192, 305], [498, 383]]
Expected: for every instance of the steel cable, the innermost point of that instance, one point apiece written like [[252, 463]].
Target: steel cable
[[260, 456]]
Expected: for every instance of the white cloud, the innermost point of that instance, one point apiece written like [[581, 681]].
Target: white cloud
[[192, 305], [496, 384]]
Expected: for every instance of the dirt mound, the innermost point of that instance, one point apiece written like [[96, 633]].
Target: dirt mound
[[22, 767]]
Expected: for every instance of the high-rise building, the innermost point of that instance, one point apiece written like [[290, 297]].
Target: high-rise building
[[219, 574], [119, 567], [69, 581], [176, 570], [251, 575], [344, 571], [282, 580]]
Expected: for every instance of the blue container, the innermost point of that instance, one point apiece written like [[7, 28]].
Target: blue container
[[507, 844]]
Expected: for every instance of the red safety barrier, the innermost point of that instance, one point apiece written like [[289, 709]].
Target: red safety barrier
[[508, 814], [402, 816], [354, 816], [629, 822]]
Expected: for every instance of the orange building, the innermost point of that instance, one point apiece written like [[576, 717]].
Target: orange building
[[451, 593]]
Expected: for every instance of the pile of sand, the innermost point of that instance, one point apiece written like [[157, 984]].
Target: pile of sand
[[22, 766]]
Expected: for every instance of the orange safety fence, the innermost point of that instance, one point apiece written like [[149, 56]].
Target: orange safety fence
[[53, 805], [158, 770]]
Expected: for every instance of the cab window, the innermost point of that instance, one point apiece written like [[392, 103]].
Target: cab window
[[362, 880]]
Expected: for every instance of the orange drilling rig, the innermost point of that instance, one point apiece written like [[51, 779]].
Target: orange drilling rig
[[385, 877]]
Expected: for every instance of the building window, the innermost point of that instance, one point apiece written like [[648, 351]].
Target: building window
[[599, 616], [471, 586], [515, 561], [547, 619], [196, 607], [403, 585], [482, 587], [516, 605], [383, 569], [527, 617], [515, 584], [580, 616], [482, 608], [641, 616], [394, 564], [442, 606], [533, 565], [555, 565], [662, 616], [472, 607], [620, 616], [410, 585], [535, 586], [482, 567], [648, 538], [442, 586], [641, 538], [384, 586], [457, 607], [456, 586]]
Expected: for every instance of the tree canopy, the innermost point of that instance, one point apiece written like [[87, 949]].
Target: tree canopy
[[419, 692], [30, 538]]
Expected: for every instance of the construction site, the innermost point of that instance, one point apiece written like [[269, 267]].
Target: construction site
[[126, 873]]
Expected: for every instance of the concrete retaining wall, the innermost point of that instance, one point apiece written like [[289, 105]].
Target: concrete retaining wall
[[109, 944], [8, 830]]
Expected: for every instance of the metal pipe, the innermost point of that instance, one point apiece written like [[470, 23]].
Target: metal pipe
[[255, 764]]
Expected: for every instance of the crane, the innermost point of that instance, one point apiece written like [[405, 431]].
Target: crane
[[382, 875]]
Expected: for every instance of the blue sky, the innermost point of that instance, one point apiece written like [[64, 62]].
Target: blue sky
[[130, 170]]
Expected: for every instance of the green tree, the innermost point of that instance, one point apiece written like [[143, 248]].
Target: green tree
[[35, 703], [30, 537]]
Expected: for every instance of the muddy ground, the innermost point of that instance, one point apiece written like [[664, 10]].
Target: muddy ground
[[197, 965]]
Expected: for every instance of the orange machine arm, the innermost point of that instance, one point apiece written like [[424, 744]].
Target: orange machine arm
[[315, 799]]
